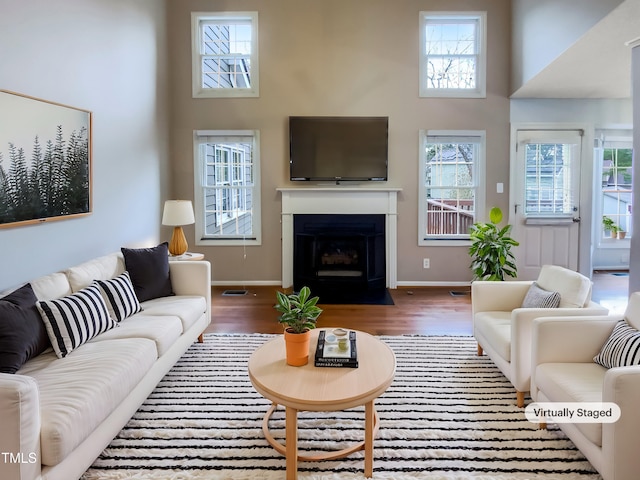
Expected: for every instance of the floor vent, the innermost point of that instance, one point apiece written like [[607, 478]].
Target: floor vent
[[454, 293], [234, 293]]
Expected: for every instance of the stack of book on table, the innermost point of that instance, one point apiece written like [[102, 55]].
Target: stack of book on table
[[330, 352]]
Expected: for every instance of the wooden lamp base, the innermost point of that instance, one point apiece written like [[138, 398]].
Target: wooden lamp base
[[178, 244]]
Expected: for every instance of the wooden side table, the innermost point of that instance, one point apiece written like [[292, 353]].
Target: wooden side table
[[305, 388]]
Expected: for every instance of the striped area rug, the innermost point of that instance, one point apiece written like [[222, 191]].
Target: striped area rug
[[449, 414]]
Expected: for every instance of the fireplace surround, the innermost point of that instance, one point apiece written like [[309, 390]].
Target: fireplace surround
[[340, 201]]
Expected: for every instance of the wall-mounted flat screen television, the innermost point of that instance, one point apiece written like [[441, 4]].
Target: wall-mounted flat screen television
[[338, 148]]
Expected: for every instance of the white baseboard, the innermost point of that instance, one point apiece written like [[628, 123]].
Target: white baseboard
[[264, 283], [248, 283], [432, 284]]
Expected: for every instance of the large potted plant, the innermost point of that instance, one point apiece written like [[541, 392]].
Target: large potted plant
[[298, 312], [490, 250]]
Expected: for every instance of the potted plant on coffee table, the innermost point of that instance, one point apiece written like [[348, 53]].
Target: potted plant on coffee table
[[298, 312]]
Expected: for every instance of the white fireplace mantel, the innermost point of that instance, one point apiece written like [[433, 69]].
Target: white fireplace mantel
[[340, 200]]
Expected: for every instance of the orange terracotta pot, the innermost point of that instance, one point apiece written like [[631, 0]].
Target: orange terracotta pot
[[297, 347]]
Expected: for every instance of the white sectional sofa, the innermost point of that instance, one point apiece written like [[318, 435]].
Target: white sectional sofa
[[58, 414], [564, 369]]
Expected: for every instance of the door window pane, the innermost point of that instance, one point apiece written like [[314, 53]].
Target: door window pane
[[548, 188]]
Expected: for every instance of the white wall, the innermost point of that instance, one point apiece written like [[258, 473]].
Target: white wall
[[106, 56], [543, 29]]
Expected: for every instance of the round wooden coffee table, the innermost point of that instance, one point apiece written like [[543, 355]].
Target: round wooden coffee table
[[313, 388]]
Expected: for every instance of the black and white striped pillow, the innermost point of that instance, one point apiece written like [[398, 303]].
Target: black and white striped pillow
[[120, 296], [622, 348], [75, 319]]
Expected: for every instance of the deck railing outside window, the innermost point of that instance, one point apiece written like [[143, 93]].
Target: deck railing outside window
[[449, 217]]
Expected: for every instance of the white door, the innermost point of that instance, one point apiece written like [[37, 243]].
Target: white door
[[545, 203]]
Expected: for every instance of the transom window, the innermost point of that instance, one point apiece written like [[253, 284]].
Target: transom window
[[451, 167], [225, 54], [452, 54], [227, 187]]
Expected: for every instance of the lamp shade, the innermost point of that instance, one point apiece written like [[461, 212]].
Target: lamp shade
[[178, 212]]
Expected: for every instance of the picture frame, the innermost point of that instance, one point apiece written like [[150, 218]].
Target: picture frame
[[45, 160]]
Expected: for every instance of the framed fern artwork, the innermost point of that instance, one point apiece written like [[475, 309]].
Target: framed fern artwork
[[45, 160]]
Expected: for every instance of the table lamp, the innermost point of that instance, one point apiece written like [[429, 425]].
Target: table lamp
[[176, 214]]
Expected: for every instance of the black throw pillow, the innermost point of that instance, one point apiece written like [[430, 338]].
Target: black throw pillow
[[149, 271], [22, 331]]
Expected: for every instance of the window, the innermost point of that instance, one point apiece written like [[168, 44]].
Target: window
[[550, 161], [452, 54], [451, 185], [614, 154], [227, 187], [225, 54], [547, 179]]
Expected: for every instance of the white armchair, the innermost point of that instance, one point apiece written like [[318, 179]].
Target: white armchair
[[563, 373], [502, 327]]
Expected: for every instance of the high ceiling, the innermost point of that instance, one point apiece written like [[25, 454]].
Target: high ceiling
[[598, 65]]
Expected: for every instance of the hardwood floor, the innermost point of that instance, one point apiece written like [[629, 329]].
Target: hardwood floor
[[429, 311], [611, 290], [422, 310]]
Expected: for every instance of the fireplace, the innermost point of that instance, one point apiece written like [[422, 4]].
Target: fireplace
[[337, 201], [339, 252]]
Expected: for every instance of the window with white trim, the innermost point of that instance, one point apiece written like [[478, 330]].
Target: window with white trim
[[453, 54], [227, 187], [614, 163], [451, 189], [224, 54]]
